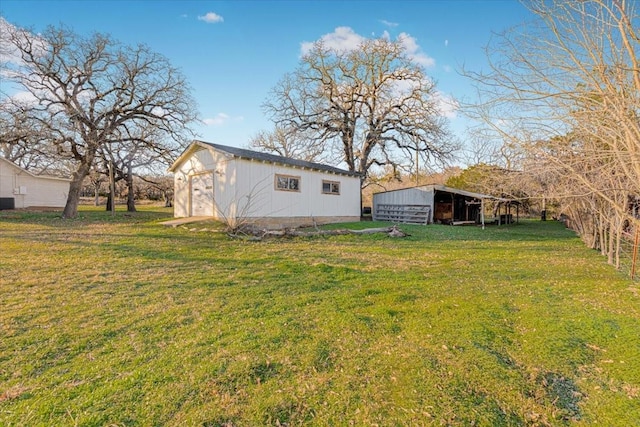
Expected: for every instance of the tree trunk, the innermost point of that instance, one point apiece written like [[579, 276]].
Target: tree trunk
[[109, 202], [610, 249], [75, 186], [618, 245], [131, 201], [168, 200], [96, 196]]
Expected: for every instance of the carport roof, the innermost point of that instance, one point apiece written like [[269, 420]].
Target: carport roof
[[444, 188]]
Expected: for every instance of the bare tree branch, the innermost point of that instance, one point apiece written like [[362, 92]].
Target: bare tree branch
[[372, 103], [564, 93], [90, 93]]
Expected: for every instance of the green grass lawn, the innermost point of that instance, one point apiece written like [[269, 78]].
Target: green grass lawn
[[120, 321]]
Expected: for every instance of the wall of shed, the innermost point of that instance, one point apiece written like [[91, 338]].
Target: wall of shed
[[33, 191], [407, 196], [246, 188], [199, 162]]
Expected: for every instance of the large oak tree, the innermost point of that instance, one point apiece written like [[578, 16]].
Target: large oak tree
[[372, 103], [85, 94]]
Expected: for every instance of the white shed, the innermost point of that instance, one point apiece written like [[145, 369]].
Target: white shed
[[20, 188], [233, 184]]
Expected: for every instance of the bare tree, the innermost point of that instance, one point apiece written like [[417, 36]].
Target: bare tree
[[565, 91], [88, 93], [292, 144], [372, 103], [96, 178], [157, 187], [22, 145], [141, 150]]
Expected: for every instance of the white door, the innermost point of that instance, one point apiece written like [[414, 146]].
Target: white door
[[202, 194]]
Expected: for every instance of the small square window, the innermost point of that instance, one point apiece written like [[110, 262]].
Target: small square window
[[330, 187], [282, 183], [287, 183]]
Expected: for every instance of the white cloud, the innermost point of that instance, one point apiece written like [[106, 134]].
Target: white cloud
[[221, 119], [24, 98], [218, 120], [211, 18], [344, 39], [447, 105], [389, 23], [14, 67], [9, 54], [446, 43], [404, 87], [158, 111], [341, 40], [414, 51]]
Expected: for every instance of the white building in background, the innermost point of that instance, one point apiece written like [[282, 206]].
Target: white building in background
[[20, 188]]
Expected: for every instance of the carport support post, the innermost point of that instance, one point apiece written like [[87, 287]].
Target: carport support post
[[482, 211], [453, 208]]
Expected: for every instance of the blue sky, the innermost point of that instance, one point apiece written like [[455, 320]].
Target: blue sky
[[234, 52]]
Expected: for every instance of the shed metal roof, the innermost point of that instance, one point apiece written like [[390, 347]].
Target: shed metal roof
[[260, 156]]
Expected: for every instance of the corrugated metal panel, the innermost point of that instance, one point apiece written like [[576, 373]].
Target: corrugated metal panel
[[433, 187]]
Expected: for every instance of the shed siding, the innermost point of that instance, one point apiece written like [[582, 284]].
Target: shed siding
[[246, 188], [199, 162], [258, 180]]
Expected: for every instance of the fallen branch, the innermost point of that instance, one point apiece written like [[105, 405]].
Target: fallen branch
[[257, 235]]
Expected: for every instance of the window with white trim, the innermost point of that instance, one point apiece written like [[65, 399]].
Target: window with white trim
[[287, 183], [330, 187]]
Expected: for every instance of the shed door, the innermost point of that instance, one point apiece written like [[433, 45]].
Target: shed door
[[202, 194]]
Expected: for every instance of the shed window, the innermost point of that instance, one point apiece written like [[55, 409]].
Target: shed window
[[330, 187], [287, 183]]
